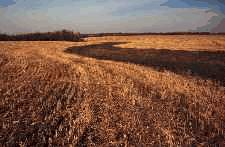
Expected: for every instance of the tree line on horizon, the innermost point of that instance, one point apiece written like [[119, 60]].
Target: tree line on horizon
[[63, 35], [151, 33], [66, 35]]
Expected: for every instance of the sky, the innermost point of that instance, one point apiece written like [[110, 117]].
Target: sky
[[95, 16]]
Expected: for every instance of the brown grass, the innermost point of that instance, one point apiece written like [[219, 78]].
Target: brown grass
[[113, 91]]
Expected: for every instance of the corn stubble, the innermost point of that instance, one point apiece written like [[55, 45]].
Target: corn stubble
[[51, 96]]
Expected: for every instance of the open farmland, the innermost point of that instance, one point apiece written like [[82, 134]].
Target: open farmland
[[114, 91]]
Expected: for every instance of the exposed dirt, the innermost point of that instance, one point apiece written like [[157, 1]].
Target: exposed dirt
[[113, 91]]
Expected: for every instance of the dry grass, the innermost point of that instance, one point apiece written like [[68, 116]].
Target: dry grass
[[113, 91]]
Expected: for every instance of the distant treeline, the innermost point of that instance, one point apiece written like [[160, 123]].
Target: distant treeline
[[66, 35], [63, 35], [133, 34]]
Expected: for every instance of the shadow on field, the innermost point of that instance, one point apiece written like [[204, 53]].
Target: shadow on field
[[206, 64]]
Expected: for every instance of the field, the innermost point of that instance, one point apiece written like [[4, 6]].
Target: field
[[159, 90]]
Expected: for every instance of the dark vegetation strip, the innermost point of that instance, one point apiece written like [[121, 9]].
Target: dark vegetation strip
[[151, 33], [66, 35], [63, 35]]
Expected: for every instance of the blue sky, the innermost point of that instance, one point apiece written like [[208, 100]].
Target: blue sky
[[91, 16]]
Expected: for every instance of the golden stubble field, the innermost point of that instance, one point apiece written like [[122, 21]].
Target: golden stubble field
[[114, 91]]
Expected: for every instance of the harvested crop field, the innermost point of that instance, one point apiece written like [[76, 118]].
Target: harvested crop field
[[114, 91]]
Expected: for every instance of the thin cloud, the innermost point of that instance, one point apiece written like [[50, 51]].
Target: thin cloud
[[216, 23], [216, 5], [6, 3]]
